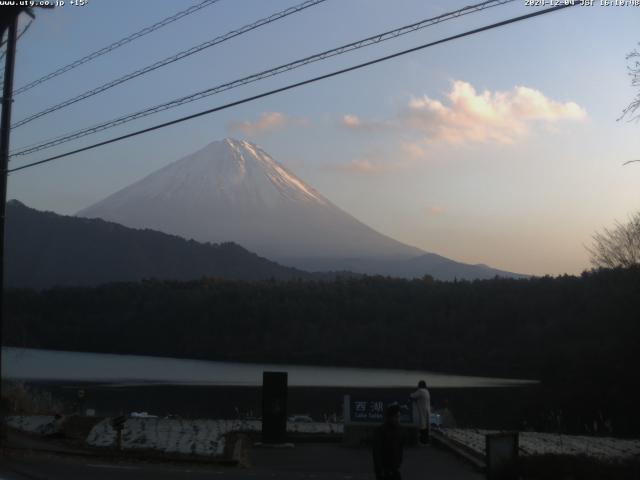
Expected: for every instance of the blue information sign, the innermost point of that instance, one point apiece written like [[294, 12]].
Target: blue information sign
[[372, 411]]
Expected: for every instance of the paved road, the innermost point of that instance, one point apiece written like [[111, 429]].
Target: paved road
[[305, 461]]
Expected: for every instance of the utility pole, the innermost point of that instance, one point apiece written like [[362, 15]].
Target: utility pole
[[9, 23]]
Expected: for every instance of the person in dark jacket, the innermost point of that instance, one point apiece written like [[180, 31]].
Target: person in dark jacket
[[387, 446]]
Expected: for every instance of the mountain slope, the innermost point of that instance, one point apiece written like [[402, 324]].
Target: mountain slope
[[44, 249], [232, 190]]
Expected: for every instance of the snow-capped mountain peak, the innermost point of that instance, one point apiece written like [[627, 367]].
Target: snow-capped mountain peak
[[232, 190], [248, 155]]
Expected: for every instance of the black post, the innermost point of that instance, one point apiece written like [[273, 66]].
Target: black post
[[5, 131], [274, 407]]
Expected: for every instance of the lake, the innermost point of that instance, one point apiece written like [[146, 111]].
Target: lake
[[34, 365]]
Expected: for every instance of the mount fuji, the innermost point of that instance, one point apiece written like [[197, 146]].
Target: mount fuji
[[232, 190]]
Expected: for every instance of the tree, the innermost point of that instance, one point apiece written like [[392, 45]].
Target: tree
[[634, 73], [617, 247]]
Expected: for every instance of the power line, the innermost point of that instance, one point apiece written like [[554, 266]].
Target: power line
[[295, 85], [115, 45], [173, 58], [26, 27], [260, 76]]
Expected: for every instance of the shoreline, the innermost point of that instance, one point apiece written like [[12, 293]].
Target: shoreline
[[482, 407]]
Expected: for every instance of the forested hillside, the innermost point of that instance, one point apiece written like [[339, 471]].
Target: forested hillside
[[44, 249]]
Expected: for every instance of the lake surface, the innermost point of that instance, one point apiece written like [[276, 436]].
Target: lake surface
[[34, 365]]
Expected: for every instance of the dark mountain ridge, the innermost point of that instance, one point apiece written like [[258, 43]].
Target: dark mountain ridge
[[44, 249]]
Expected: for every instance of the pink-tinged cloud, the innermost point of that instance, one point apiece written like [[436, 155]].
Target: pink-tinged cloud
[[413, 150], [502, 117], [434, 210], [266, 122], [463, 116], [363, 167], [375, 162], [350, 121], [355, 123]]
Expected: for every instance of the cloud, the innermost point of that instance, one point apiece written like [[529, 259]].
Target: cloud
[[464, 115], [413, 150], [469, 116], [266, 122], [364, 167], [375, 163], [434, 210], [355, 123], [351, 121], [386, 159]]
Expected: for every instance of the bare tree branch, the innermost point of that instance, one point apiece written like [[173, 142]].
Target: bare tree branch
[[634, 72], [617, 247]]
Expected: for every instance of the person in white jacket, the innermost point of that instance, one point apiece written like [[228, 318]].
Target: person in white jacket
[[422, 400]]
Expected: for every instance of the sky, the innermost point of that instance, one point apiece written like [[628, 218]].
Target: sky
[[502, 148]]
